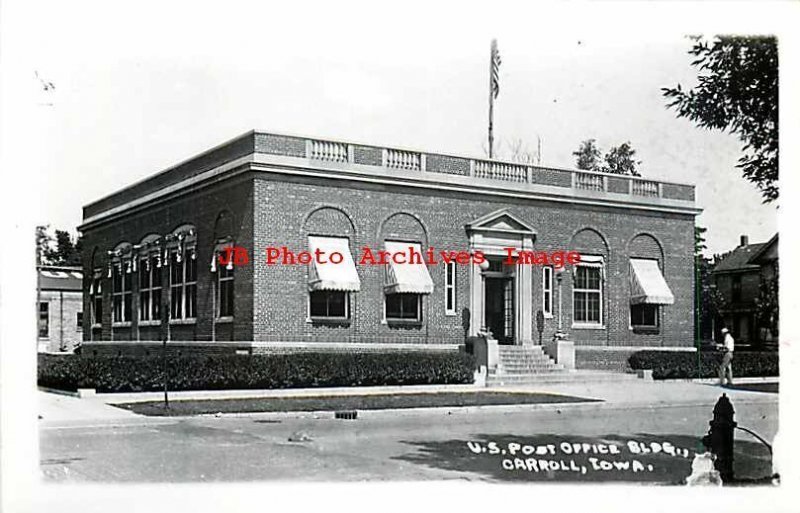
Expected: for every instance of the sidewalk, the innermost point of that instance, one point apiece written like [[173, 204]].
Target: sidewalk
[[63, 411], [57, 410]]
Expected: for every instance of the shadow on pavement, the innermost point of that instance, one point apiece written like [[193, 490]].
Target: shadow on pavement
[[752, 460], [770, 388]]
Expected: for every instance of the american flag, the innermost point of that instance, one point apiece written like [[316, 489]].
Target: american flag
[[495, 82]]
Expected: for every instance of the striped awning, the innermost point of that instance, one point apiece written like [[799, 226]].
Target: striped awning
[[412, 278], [327, 275], [648, 285]]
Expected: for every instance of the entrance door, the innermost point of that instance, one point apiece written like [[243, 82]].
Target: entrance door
[[499, 308]]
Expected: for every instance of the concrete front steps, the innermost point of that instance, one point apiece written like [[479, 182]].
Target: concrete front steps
[[530, 365]]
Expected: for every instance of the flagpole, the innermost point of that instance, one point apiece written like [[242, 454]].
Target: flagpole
[[491, 99]]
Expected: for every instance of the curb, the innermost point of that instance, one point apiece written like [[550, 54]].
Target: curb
[[465, 410]]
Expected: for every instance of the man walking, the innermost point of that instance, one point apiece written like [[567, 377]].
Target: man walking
[[726, 368]]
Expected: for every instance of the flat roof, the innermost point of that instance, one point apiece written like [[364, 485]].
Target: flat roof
[[312, 152]]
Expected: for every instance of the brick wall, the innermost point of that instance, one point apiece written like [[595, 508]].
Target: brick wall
[[619, 185], [63, 333], [676, 191], [444, 164], [232, 199], [267, 210], [367, 155], [545, 176], [439, 219], [280, 145]]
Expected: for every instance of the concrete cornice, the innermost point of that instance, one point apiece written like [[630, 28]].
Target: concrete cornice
[[365, 174]]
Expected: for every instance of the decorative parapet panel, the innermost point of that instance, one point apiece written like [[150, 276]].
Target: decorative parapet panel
[[367, 155], [399, 159], [619, 185], [550, 176], [446, 165], [677, 191], [501, 171], [589, 181], [324, 150], [645, 188]]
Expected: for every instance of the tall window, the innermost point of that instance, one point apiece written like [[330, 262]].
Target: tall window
[[44, 319], [329, 303], [225, 291], [183, 284], [736, 287], [450, 288], [150, 289], [121, 292], [547, 291], [96, 298], [405, 306], [587, 295]]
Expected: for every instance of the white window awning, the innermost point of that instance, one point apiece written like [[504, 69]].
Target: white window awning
[[648, 285], [410, 277], [341, 276]]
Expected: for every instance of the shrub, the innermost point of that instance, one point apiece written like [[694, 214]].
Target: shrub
[[221, 372], [705, 364]]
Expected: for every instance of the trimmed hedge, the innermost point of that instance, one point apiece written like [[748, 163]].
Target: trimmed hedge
[[683, 365], [227, 372]]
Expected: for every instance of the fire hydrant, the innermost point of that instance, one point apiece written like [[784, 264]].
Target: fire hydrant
[[719, 439]]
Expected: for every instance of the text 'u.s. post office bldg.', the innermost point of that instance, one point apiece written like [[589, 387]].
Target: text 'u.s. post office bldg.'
[[153, 245]]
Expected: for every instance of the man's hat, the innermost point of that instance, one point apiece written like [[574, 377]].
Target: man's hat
[[724, 330]]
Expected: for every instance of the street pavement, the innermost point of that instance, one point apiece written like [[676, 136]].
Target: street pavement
[[657, 425]]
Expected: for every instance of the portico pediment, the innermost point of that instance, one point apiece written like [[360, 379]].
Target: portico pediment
[[501, 221]]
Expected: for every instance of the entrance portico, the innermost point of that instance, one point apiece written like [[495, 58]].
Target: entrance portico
[[501, 296]]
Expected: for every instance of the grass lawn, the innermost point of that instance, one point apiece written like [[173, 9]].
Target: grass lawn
[[349, 402]]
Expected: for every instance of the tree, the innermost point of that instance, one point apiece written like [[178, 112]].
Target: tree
[[703, 302], [66, 252], [44, 245], [699, 241], [521, 154], [618, 160], [588, 156], [737, 91]]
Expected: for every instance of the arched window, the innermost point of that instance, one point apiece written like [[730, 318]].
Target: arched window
[[96, 292], [121, 270], [222, 265], [181, 257], [588, 286], [150, 278]]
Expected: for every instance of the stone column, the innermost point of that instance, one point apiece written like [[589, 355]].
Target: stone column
[[475, 299], [524, 305]]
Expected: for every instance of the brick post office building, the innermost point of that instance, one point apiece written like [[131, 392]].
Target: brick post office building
[[152, 246]]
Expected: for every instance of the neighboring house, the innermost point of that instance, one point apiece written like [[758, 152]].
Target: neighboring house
[[739, 277], [60, 309], [153, 246]]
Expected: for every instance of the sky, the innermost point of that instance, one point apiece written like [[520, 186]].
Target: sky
[[140, 89]]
